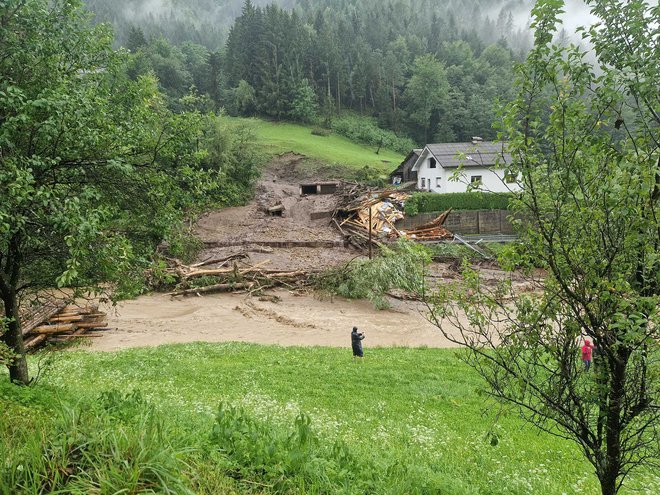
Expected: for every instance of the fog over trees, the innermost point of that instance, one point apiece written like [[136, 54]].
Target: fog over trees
[[311, 60]]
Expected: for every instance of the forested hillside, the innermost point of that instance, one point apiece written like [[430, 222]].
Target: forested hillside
[[424, 69], [208, 21]]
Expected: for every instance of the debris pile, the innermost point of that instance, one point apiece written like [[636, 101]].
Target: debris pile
[[56, 321], [233, 274], [382, 210]]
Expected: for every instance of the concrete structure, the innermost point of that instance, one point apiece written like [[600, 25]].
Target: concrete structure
[[466, 222], [459, 167], [319, 188]]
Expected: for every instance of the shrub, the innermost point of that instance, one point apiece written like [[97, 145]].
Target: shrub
[[401, 267], [365, 130], [319, 131], [430, 202]]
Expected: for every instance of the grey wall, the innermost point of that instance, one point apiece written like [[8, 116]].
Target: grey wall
[[465, 221]]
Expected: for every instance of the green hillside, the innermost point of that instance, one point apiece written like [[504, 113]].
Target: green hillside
[[333, 150]]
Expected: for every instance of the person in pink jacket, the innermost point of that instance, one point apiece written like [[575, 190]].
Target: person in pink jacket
[[587, 349]]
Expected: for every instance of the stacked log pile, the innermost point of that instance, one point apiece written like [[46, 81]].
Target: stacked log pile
[[234, 278], [56, 321], [383, 209]]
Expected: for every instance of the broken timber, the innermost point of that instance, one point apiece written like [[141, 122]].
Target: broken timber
[[377, 213], [474, 248], [251, 278], [58, 321]]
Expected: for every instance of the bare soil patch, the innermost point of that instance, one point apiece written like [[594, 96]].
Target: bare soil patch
[[253, 229], [280, 317]]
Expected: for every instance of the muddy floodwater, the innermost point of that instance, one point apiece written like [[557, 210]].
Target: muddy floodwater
[[288, 319]]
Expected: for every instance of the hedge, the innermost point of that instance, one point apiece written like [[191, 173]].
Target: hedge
[[429, 202]]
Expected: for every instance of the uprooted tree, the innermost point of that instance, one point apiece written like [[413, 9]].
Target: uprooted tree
[[585, 141], [93, 168]]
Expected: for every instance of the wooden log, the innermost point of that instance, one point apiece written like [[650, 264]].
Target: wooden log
[[339, 227], [41, 315], [100, 329], [213, 288], [79, 310], [32, 343], [69, 327], [57, 328], [81, 332], [65, 319], [225, 259], [298, 273], [95, 315], [91, 324], [224, 271]]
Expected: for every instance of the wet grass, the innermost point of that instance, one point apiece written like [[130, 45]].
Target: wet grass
[[403, 421], [333, 150]]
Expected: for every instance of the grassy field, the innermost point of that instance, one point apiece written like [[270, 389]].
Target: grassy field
[[334, 150], [404, 421]]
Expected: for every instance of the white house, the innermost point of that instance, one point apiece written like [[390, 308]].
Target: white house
[[457, 167]]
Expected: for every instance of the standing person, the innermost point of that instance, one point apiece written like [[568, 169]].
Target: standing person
[[356, 343], [587, 349]]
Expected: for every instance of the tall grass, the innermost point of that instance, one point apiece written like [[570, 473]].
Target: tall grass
[[117, 444], [294, 421]]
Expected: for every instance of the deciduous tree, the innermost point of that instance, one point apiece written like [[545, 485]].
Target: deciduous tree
[[92, 165], [585, 140]]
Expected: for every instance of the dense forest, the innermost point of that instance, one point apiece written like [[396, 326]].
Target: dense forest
[[427, 70], [208, 22]]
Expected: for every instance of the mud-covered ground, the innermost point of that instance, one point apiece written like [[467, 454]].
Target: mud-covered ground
[[283, 317], [253, 225]]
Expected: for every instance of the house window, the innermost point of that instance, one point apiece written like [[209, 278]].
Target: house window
[[432, 162], [438, 181], [475, 180], [423, 183]]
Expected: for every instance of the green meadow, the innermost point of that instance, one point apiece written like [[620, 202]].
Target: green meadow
[[292, 420], [280, 137]]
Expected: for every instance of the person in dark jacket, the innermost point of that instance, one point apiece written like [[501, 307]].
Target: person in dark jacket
[[356, 343]]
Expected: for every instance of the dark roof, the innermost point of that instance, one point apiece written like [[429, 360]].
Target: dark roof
[[414, 153], [480, 154]]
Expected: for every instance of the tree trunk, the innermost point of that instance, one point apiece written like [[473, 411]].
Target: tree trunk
[[608, 485], [612, 469], [13, 337]]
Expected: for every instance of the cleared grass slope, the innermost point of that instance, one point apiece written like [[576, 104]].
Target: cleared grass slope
[[277, 138]]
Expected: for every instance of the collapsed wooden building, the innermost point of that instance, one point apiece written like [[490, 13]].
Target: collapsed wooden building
[[372, 219]]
